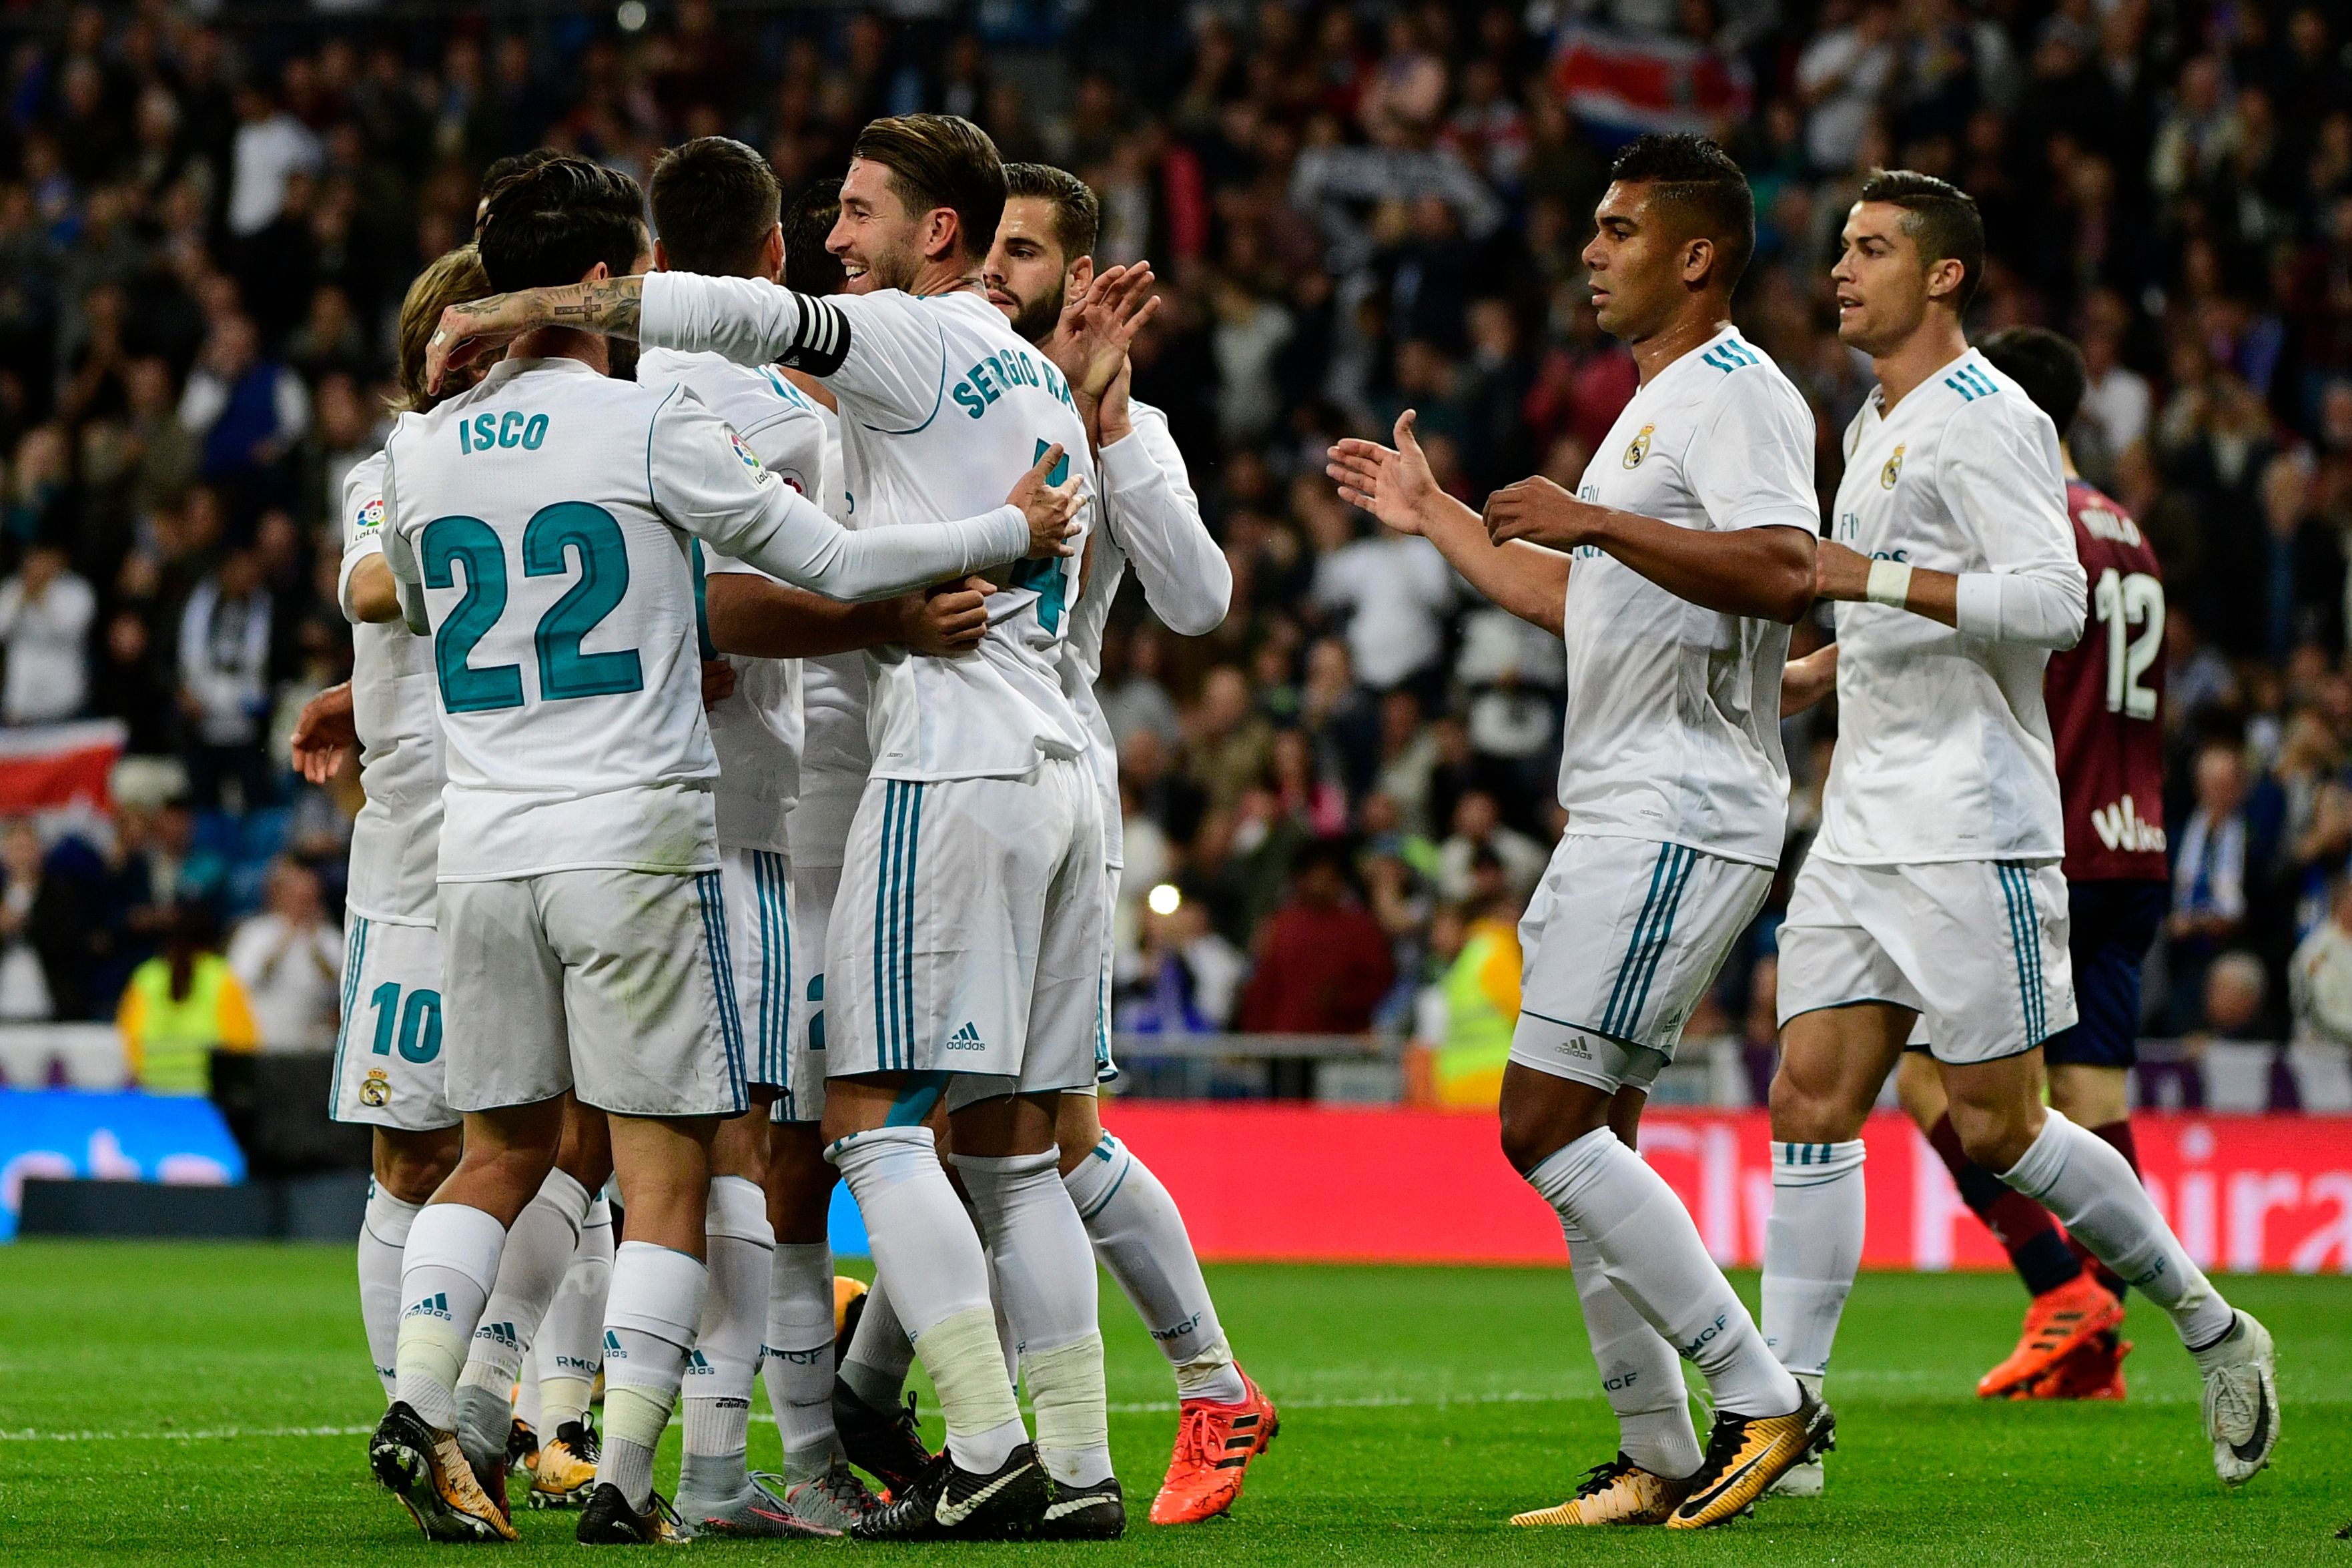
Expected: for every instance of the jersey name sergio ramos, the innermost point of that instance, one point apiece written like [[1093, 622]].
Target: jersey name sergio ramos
[[541, 521], [1672, 731], [1944, 750], [396, 838], [942, 406], [757, 732]]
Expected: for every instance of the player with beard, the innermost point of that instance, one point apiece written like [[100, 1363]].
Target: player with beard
[[963, 966], [1040, 272]]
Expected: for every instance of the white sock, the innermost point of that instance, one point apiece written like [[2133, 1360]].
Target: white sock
[[529, 1408], [383, 1233], [1045, 1280], [1651, 1253], [874, 1361], [796, 1357], [719, 1374], [538, 1253], [445, 1274], [2081, 1178], [650, 1316], [1140, 1237], [570, 1349], [926, 1246], [1812, 1246], [1639, 1371]]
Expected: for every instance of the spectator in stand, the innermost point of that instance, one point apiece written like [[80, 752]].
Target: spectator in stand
[[1479, 830], [179, 1007], [225, 643], [1186, 978], [45, 615], [1392, 590], [2214, 859], [2319, 992], [1322, 962], [271, 146], [1230, 741], [247, 411], [45, 944], [290, 959]]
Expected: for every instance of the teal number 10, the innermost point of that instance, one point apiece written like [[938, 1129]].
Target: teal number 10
[[420, 1022]]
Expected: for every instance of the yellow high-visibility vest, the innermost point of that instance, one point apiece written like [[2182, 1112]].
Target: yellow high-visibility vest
[[169, 1042]]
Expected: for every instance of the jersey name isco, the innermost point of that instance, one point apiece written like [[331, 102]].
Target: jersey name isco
[[993, 374]]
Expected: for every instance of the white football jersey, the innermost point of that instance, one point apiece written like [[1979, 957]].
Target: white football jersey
[[941, 405], [757, 731], [1944, 748], [1672, 731], [1149, 516], [540, 522], [836, 755], [396, 838]]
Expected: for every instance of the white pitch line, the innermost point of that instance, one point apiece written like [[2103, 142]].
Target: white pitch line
[[1131, 1407]]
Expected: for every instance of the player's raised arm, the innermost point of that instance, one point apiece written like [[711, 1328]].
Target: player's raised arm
[[708, 483], [2033, 591], [1150, 509], [1394, 485]]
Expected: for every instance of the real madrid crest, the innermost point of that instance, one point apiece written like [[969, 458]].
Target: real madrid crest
[[1892, 472], [1639, 449], [376, 1090]]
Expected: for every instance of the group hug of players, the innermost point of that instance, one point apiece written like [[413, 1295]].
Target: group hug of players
[[740, 817]]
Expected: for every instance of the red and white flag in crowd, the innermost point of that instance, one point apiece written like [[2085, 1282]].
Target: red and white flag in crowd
[[59, 768], [1630, 83]]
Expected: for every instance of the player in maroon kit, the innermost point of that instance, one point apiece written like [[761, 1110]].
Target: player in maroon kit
[[2103, 695]]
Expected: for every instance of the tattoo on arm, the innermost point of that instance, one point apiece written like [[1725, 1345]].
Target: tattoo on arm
[[608, 305]]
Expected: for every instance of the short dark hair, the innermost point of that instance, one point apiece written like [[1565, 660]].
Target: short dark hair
[[1941, 218], [1698, 180], [1078, 214], [501, 170], [941, 160], [715, 202], [2049, 367], [809, 266], [550, 223]]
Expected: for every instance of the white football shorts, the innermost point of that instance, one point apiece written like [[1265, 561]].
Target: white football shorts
[[966, 937], [815, 888], [388, 1065], [1977, 948], [763, 949], [1621, 939], [603, 981]]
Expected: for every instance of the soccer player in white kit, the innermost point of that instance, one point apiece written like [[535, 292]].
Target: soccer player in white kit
[[1672, 574], [394, 975], [540, 524], [963, 963], [1933, 892], [715, 208], [1040, 265]]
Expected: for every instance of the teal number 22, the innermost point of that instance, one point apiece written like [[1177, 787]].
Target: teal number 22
[[1048, 579], [548, 540]]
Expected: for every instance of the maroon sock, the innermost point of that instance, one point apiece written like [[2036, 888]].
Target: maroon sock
[[2036, 1248]]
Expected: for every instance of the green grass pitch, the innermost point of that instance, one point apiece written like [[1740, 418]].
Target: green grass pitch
[[1421, 1407]]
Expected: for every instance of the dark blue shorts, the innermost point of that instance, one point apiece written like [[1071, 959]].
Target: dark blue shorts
[[2111, 926]]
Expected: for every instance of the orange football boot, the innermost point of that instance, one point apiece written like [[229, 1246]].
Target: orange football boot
[[1215, 1446], [2056, 1321], [2093, 1370]]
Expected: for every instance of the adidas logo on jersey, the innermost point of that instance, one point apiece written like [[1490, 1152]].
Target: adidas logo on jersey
[[2120, 826], [966, 1039]]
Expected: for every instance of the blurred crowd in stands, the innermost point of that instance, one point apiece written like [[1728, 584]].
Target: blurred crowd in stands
[[1336, 801]]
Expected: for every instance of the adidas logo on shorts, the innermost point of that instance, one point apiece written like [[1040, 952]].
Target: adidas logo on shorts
[[966, 1039]]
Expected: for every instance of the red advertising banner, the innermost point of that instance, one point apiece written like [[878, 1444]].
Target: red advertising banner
[[1293, 1182]]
